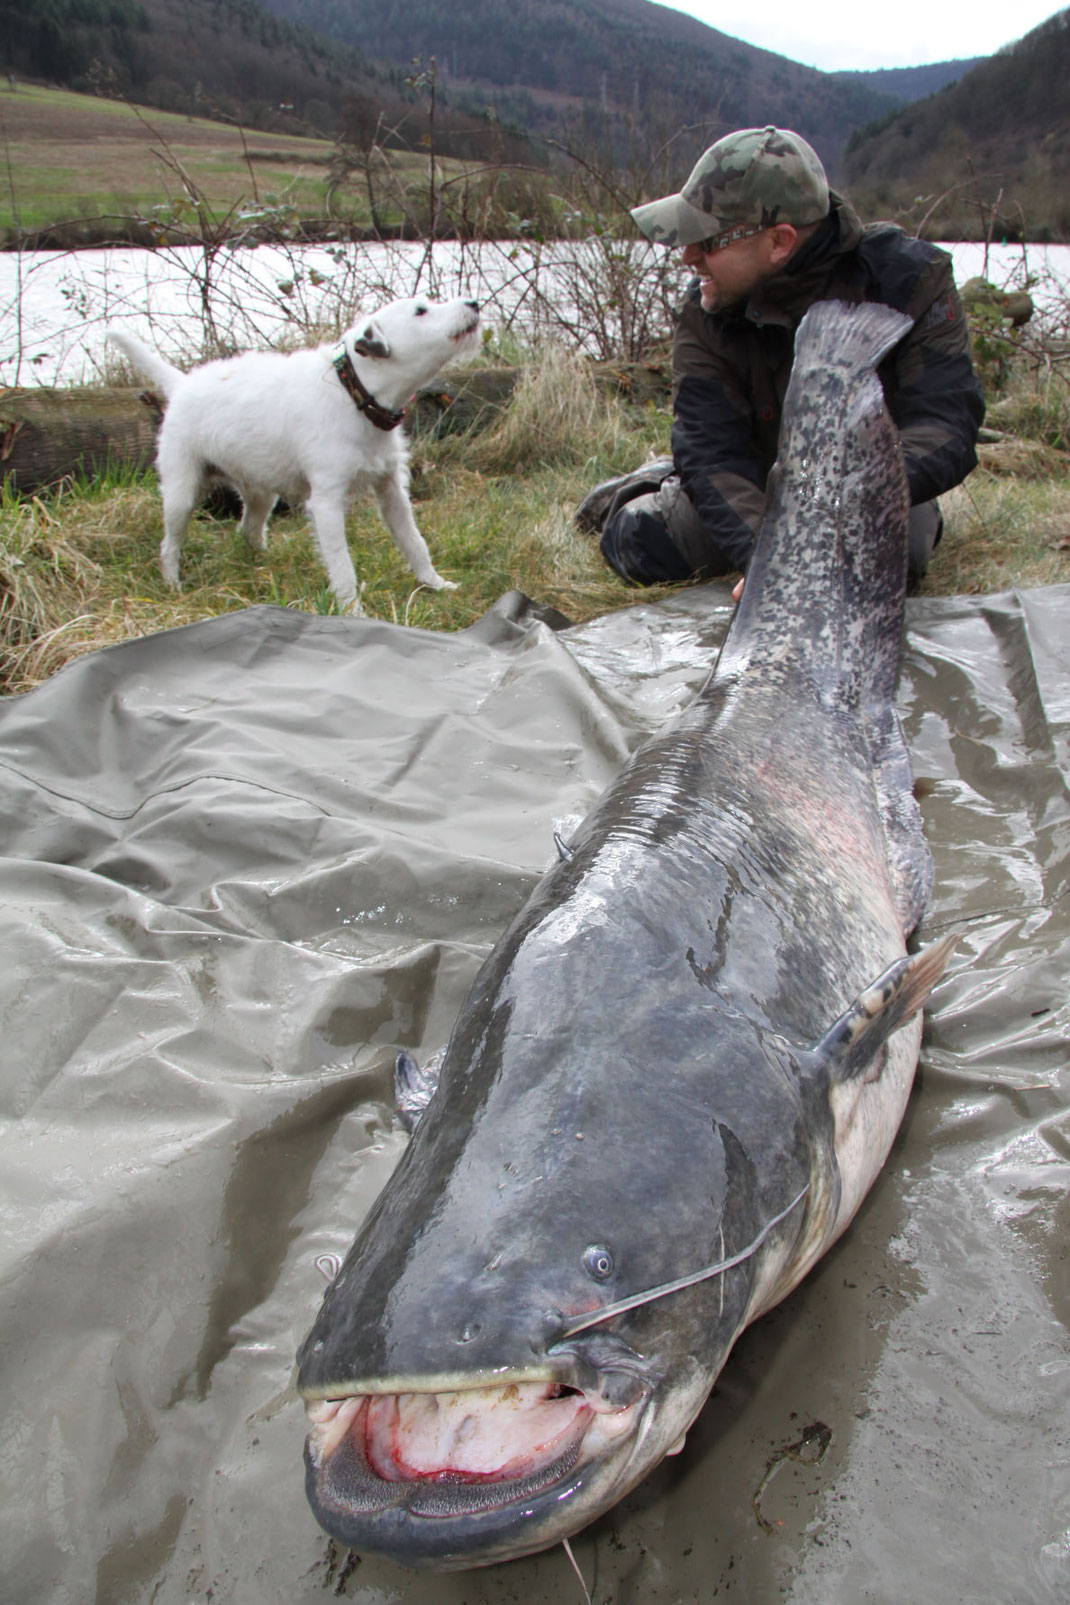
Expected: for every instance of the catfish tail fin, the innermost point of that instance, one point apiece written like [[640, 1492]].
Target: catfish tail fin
[[827, 580]]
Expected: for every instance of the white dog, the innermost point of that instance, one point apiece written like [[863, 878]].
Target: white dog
[[310, 426]]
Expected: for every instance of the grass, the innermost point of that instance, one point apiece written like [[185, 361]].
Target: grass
[[79, 570], [1003, 531], [78, 567], [1009, 524], [76, 157], [73, 156]]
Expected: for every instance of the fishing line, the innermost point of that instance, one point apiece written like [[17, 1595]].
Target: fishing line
[[593, 1317]]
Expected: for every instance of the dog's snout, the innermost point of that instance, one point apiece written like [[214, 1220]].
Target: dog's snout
[[473, 304]]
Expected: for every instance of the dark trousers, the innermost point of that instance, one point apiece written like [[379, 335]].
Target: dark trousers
[[657, 538]]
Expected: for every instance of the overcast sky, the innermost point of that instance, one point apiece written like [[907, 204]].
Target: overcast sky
[[846, 33]]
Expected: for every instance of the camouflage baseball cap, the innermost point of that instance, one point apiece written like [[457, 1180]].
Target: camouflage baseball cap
[[746, 182]]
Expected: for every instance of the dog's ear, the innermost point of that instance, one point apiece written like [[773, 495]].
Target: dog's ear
[[370, 343]]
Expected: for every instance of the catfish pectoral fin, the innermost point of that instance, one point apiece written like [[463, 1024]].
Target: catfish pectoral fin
[[853, 1042], [414, 1088]]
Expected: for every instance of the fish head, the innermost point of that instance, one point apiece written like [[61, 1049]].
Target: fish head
[[467, 1401], [520, 1443], [470, 1476]]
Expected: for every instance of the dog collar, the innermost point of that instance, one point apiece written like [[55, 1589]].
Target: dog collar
[[365, 402]]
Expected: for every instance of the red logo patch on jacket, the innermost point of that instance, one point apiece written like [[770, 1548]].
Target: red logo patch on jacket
[[942, 311]]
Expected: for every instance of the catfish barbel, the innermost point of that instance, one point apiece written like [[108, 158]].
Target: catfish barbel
[[679, 1071]]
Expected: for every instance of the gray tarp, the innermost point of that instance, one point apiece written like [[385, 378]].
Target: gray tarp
[[248, 860]]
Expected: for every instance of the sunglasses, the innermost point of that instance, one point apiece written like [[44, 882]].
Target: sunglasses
[[717, 242]]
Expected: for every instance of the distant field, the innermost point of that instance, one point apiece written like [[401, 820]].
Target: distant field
[[74, 156]]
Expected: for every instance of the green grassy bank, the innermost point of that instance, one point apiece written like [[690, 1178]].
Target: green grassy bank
[[78, 159]]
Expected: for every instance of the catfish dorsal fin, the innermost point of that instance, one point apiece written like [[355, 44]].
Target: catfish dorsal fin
[[882, 1008]]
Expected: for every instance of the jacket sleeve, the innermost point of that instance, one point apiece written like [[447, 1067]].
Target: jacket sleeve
[[933, 393], [712, 442]]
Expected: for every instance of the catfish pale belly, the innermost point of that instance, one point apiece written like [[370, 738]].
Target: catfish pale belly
[[680, 1069]]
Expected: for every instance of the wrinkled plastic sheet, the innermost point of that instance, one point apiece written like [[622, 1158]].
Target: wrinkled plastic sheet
[[245, 862]]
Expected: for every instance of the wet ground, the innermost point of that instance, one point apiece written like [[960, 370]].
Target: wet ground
[[246, 862]]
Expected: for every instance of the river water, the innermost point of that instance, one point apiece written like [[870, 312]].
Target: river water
[[55, 306]]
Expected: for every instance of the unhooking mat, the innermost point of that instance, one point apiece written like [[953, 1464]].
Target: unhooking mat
[[245, 862]]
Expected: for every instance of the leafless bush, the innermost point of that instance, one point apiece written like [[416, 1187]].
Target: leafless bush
[[549, 252]]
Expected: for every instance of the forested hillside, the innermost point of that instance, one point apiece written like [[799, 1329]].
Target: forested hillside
[[228, 57], [614, 78], [617, 72], [997, 141], [913, 83]]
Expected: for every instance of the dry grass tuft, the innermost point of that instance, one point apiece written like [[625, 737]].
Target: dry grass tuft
[[44, 578], [1001, 532], [558, 416]]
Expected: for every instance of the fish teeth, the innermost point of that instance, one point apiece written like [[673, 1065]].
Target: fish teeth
[[331, 1420]]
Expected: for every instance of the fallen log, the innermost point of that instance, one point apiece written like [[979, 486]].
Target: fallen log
[[47, 436], [50, 435]]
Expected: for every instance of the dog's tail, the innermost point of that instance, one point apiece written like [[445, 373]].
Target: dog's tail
[[146, 361]]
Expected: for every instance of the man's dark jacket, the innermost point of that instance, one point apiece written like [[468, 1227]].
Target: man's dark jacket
[[731, 371]]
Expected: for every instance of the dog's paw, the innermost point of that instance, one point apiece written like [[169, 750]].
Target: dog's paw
[[435, 582]]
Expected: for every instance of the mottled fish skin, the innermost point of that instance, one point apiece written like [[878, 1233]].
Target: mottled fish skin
[[680, 1033]]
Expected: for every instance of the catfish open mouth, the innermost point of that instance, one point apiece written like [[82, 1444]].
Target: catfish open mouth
[[450, 1454]]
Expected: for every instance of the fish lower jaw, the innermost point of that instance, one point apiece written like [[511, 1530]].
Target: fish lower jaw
[[385, 1470], [497, 1434]]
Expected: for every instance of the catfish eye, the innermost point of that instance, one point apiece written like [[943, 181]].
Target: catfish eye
[[598, 1262]]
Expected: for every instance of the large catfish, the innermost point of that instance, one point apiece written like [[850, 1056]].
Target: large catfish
[[680, 1069]]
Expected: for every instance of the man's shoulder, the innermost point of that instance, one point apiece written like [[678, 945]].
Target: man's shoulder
[[898, 268], [888, 242]]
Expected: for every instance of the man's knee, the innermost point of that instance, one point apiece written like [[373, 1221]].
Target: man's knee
[[636, 544]]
